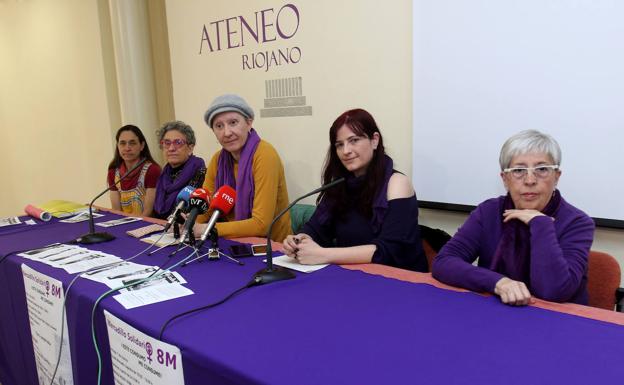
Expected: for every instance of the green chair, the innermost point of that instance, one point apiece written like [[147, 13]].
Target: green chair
[[299, 215]]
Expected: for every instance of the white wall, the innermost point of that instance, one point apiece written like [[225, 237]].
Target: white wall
[[55, 117], [485, 70], [70, 75]]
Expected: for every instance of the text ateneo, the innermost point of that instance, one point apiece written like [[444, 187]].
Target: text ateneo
[[267, 25]]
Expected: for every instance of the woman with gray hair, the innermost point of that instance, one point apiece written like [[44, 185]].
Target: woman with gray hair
[[529, 242], [177, 141], [251, 166]]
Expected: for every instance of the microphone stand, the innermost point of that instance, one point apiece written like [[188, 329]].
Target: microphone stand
[[93, 237], [277, 273], [213, 253]]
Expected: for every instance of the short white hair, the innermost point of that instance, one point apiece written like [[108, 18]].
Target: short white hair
[[529, 141]]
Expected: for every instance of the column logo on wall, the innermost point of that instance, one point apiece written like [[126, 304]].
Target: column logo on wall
[[284, 97]]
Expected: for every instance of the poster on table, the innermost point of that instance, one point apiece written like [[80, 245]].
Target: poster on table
[[44, 297], [140, 359]]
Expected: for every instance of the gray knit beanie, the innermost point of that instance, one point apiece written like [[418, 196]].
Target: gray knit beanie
[[227, 103]]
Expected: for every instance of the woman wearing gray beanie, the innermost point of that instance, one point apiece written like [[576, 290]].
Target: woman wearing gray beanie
[[251, 166]]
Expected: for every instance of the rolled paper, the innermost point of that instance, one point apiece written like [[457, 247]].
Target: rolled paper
[[37, 213]]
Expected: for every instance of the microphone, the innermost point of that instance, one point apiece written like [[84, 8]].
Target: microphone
[[198, 204], [183, 199], [92, 236], [276, 273], [222, 203]]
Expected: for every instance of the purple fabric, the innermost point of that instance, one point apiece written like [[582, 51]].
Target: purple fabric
[[245, 188], [513, 254], [334, 326], [559, 251], [380, 201], [167, 189]]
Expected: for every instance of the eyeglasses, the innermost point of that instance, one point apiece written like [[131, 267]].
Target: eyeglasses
[[541, 172], [130, 143], [176, 143]]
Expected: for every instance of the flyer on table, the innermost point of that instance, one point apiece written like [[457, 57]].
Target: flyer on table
[[44, 297], [140, 359]]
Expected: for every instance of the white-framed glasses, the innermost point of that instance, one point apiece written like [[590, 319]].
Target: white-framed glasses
[[542, 171]]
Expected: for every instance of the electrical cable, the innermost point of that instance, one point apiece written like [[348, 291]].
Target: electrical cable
[[214, 304]]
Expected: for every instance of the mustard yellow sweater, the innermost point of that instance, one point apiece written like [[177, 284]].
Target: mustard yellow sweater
[[271, 196]]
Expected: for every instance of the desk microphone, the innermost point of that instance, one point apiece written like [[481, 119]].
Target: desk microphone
[[183, 199], [92, 236], [276, 273], [222, 203], [198, 204]]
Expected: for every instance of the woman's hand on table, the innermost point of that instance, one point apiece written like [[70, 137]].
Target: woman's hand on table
[[512, 292], [303, 248]]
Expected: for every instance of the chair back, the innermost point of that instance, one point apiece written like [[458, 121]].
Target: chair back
[[299, 215], [603, 280], [432, 241]]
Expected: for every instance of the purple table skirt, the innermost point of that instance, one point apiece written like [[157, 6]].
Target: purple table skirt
[[334, 326]]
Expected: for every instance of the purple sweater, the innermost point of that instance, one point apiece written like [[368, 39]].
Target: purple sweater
[[398, 240], [559, 252]]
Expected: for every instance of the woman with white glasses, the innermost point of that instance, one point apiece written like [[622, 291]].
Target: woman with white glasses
[[529, 242]]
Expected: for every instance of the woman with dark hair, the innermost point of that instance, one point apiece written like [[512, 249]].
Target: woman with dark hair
[[177, 142], [135, 194], [373, 217]]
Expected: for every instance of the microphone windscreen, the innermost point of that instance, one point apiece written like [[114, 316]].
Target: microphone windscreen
[[223, 199], [185, 194], [199, 200], [36, 212]]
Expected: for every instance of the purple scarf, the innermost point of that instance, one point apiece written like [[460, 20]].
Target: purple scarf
[[245, 188], [513, 253], [380, 201], [167, 188]]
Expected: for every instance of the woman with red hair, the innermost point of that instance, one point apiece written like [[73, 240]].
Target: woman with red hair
[[373, 216]]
